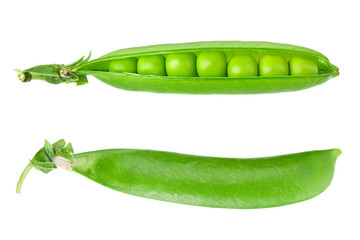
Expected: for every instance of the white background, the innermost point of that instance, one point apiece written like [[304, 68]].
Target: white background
[[63, 205]]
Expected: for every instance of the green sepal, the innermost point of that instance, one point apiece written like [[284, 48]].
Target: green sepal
[[66, 151], [75, 63], [58, 146], [82, 80], [48, 70], [86, 59], [79, 61], [49, 150], [43, 159]]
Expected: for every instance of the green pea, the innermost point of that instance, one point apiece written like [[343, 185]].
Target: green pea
[[152, 65], [197, 180], [181, 65], [211, 64], [271, 65], [123, 65], [302, 66], [240, 66]]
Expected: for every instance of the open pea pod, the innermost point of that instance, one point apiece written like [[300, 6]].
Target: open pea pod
[[197, 180], [219, 67]]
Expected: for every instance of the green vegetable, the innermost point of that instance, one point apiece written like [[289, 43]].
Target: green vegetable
[[302, 66], [181, 64], [178, 75], [211, 64], [152, 65], [270, 65], [242, 66], [197, 180], [124, 65]]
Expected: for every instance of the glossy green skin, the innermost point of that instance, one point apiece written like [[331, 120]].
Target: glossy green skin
[[272, 65], [213, 85], [211, 181], [211, 64], [133, 82], [152, 65], [302, 66], [242, 66], [181, 65], [124, 65]]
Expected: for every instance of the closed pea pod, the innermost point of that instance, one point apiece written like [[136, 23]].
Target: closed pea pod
[[197, 180], [281, 68]]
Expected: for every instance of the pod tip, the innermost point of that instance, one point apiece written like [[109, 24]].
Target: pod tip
[[337, 152]]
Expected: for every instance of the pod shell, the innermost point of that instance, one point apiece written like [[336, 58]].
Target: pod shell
[[212, 85], [211, 181]]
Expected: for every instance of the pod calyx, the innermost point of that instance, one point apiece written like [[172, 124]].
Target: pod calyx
[[55, 73]]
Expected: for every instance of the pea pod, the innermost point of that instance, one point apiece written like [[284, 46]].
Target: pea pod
[[257, 67], [197, 180]]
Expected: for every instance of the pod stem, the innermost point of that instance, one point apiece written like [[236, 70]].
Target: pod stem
[[23, 176], [55, 73], [48, 158]]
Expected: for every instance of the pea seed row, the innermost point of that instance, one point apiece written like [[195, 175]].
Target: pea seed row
[[213, 64]]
